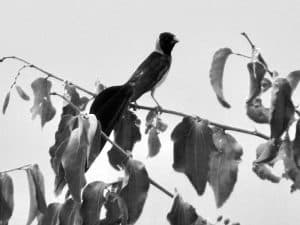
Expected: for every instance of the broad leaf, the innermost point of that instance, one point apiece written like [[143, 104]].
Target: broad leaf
[[51, 215], [5, 103], [42, 103], [154, 144], [257, 112], [70, 213], [282, 108], [193, 145], [93, 199], [216, 73], [135, 192], [116, 210], [224, 165], [6, 198], [74, 158], [257, 73], [22, 93], [293, 79], [182, 213], [36, 184], [127, 133]]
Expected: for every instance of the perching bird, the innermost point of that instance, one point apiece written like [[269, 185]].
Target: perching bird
[[154, 69], [111, 103]]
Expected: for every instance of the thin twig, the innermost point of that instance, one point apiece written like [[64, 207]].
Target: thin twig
[[15, 169], [223, 126]]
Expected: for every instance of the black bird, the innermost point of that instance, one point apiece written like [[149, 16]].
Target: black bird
[[154, 69], [111, 103]]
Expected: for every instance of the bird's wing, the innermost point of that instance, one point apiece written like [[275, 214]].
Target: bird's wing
[[156, 65]]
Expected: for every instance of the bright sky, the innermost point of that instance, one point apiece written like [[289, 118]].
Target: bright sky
[[86, 40]]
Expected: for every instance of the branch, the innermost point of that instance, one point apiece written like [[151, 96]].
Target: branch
[[15, 169], [223, 126]]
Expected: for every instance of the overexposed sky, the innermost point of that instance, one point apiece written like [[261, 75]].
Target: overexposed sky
[[86, 40]]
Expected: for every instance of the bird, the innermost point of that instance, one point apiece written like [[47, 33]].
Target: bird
[[110, 104], [153, 71]]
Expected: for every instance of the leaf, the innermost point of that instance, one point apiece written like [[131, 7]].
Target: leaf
[[293, 79], [160, 125], [182, 213], [116, 210], [22, 93], [291, 170], [282, 108], [74, 97], [36, 184], [70, 213], [5, 103], [257, 112], [216, 73], [266, 84], [93, 199], [6, 198], [264, 173], [154, 144], [193, 145], [296, 145], [51, 216], [150, 118], [135, 192], [74, 158], [257, 73], [42, 103], [267, 152], [127, 133], [224, 165]]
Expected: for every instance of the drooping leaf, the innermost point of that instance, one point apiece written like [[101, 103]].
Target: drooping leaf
[[93, 199], [5, 103], [116, 210], [6, 198], [70, 213], [22, 93], [267, 152], [224, 165], [51, 216], [291, 170], [127, 133], [193, 145], [257, 112], [216, 73], [36, 184], [74, 158], [154, 144], [282, 108], [42, 103], [296, 145], [293, 79], [182, 213], [257, 73], [135, 192]]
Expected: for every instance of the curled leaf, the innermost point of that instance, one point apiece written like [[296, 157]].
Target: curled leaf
[[42, 103], [264, 173], [267, 152], [93, 199], [150, 118], [224, 165], [293, 79], [257, 73], [135, 192], [22, 93], [5, 103], [160, 125], [36, 184], [127, 133], [282, 108], [74, 97], [6, 198], [154, 144], [257, 112], [193, 145], [216, 73]]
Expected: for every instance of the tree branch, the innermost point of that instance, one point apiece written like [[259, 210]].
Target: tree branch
[[15, 169]]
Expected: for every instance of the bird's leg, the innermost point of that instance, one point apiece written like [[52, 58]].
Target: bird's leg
[[159, 108]]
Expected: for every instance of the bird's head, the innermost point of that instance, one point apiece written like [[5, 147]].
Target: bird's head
[[166, 43]]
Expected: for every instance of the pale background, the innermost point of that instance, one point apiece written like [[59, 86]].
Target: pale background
[[86, 40]]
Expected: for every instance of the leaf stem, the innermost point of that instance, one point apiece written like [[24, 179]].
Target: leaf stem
[[15, 169]]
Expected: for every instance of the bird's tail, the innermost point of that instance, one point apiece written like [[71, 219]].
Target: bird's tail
[[109, 106]]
